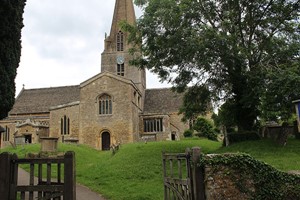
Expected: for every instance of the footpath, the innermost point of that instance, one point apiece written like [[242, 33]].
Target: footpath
[[82, 192]]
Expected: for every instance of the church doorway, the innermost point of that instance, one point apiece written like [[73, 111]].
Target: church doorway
[[105, 138]]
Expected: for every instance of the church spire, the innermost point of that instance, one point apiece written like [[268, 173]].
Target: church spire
[[124, 11], [116, 58]]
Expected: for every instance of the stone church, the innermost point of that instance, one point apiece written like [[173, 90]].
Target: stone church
[[111, 107]]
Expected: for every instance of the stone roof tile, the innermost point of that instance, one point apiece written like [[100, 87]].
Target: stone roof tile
[[162, 101], [40, 100]]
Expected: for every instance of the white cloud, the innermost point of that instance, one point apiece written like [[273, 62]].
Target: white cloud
[[62, 42]]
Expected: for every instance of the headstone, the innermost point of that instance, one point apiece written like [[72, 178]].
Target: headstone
[[49, 144]]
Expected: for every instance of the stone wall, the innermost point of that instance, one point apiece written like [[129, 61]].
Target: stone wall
[[122, 124], [172, 124], [71, 111], [177, 126], [239, 176]]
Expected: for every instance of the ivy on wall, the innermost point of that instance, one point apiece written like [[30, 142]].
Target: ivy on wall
[[254, 178]]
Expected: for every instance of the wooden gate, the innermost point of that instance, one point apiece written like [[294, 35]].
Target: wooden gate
[[49, 185], [183, 180]]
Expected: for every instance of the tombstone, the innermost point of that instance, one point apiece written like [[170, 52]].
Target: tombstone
[[49, 144], [297, 106]]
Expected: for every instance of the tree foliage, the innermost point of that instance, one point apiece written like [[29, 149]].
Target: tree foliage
[[11, 23], [225, 46], [204, 128], [282, 88], [196, 102]]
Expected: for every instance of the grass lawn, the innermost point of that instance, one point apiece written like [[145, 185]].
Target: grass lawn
[[282, 158], [135, 171]]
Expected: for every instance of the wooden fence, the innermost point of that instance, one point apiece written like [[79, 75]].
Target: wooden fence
[[183, 179], [45, 188]]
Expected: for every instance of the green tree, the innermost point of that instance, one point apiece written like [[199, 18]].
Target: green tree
[[282, 88], [196, 102], [225, 116], [204, 128], [11, 23], [224, 46]]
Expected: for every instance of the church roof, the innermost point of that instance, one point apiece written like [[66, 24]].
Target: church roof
[[157, 101], [40, 100], [162, 101]]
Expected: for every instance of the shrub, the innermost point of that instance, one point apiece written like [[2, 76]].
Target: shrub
[[242, 136], [188, 133], [205, 128]]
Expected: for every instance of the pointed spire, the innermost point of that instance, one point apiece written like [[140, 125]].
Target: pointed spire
[[124, 10]]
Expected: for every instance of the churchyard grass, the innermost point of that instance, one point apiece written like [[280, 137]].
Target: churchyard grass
[[284, 158], [135, 171]]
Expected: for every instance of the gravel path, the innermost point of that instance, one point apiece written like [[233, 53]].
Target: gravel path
[[82, 192]]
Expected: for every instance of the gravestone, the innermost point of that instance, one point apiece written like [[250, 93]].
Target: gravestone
[[49, 144]]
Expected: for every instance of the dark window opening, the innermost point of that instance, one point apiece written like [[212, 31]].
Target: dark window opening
[[105, 105], [173, 136], [120, 41], [65, 125], [120, 69], [153, 125], [28, 139], [6, 134]]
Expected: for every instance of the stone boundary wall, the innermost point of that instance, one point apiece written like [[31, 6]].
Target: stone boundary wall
[[239, 176]]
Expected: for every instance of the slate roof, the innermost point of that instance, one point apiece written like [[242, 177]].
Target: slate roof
[[40, 100], [29, 101], [162, 101]]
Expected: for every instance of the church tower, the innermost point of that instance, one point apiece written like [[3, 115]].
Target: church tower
[[115, 57]]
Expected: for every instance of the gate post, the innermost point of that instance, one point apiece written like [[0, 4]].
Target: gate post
[[197, 175], [69, 176], [5, 160]]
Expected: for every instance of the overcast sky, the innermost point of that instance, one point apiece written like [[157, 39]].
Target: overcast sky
[[62, 42]]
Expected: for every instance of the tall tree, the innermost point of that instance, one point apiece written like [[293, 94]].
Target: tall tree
[[11, 23], [225, 46], [282, 88]]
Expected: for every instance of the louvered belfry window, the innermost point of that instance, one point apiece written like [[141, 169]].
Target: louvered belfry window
[[105, 105], [120, 69], [120, 41]]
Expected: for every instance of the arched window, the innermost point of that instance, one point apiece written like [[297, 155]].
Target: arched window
[[6, 134], [105, 105], [65, 125], [120, 41]]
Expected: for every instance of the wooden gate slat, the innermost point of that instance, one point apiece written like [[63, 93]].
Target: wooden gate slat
[[40, 188], [176, 187], [9, 187]]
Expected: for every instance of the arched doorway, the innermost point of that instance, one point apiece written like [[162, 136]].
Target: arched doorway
[[105, 138], [173, 136]]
